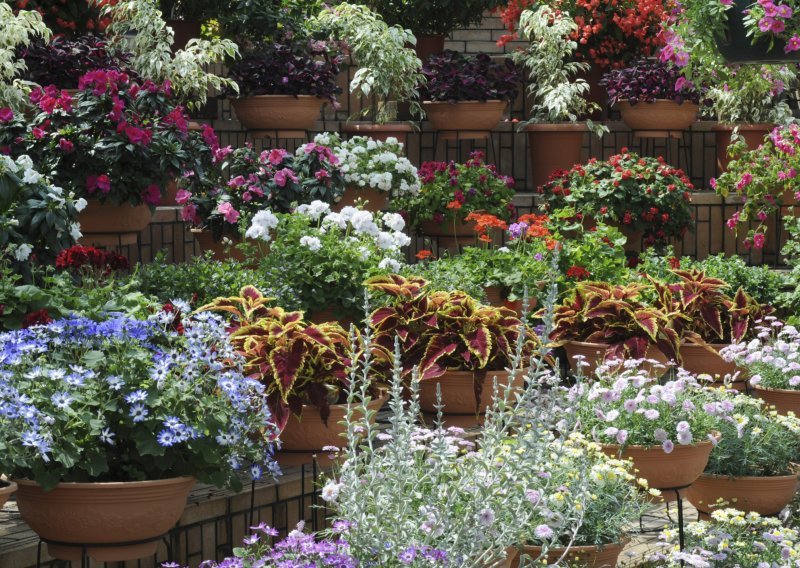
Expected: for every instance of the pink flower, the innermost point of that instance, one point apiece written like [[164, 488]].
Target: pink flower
[[66, 146], [275, 157], [39, 133], [101, 182], [182, 197], [777, 26], [116, 109], [713, 183], [152, 194], [758, 240], [733, 221], [745, 181], [177, 119], [221, 153], [231, 215], [765, 24], [762, 215], [210, 136], [247, 196], [726, 2], [784, 11], [793, 44], [137, 135], [238, 181], [189, 214], [6, 114], [321, 175], [282, 176]]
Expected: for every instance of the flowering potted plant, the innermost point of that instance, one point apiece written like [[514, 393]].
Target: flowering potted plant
[[373, 170], [450, 192], [765, 178], [752, 465], [707, 319], [625, 327], [772, 362], [451, 340], [23, 27], [122, 415], [671, 101], [468, 93], [68, 18], [668, 430], [325, 256]]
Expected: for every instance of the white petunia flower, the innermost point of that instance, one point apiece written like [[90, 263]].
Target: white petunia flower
[[312, 243], [80, 204], [390, 265], [31, 176], [22, 252]]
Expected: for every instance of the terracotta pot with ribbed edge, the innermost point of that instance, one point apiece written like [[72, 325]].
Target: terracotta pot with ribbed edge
[[763, 495], [578, 556], [310, 434], [458, 391], [594, 354], [429, 44], [753, 135], [675, 470], [660, 115], [464, 116], [99, 513], [699, 359], [278, 112], [784, 400], [376, 200], [6, 489], [108, 224], [554, 147], [399, 130]]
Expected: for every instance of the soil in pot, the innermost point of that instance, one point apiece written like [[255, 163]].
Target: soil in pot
[[376, 200], [578, 556], [659, 116], [784, 400], [99, 513], [275, 113], [553, 147], [763, 495]]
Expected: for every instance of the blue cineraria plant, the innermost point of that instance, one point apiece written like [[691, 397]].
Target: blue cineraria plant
[[130, 400]]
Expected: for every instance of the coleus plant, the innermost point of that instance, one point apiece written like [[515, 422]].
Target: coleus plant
[[440, 331], [702, 311], [598, 312], [299, 363]]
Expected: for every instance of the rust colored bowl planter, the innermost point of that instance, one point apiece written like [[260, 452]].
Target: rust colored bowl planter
[[376, 200], [594, 354], [661, 115], [465, 116], [457, 228], [554, 147], [399, 130], [6, 489], [99, 513], [676, 470], [107, 224], [753, 135], [458, 391], [278, 112], [763, 495], [578, 556], [698, 359], [784, 400], [310, 434]]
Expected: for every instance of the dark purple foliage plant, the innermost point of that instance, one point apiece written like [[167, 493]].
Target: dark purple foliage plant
[[648, 80], [453, 77]]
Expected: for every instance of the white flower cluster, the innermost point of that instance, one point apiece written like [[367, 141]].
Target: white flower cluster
[[260, 226]]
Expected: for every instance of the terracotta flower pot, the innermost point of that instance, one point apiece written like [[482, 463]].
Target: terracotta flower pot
[[578, 556], [753, 135], [698, 359], [458, 228], [310, 434], [553, 147], [98, 513], [594, 354], [458, 391], [220, 250], [278, 112], [784, 400], [660, 115], [376, 200], [428, 44], [763, 495], [330, 315], [498, 297], [399, 130], [6, 489], [465, 116], [675, 470], [107, 224]]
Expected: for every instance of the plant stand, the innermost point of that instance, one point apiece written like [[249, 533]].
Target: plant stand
[[675, 146], [459, 136], [86, 561], [678, 498]]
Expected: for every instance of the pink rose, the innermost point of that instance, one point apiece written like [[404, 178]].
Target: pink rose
[[231, 215]]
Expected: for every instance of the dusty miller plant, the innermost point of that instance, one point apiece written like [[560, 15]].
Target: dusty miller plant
[[557, 95], [152, 56], [17, 31]]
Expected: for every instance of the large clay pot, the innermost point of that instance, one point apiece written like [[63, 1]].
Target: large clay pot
[[661, 115], [784, 400], [498, 296], [594, 354], [553, 147], [399, 130], [578, 556], [456, 228], [699, 359], [220, 250], [763, 495], [753, 135], [107, 224], [458, 391], [6, 489], [376, 200], [464, 116], [310, 434], [274, 113], [676, 470], [429, 44], [99, 513]]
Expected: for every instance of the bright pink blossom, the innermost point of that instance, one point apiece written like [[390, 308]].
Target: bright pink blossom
[[231, 215]]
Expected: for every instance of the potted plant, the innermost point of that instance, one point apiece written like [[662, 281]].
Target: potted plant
[[374, 170], [670, 101], [707, 319], [384, 76], [467, 93], [646, 198], [668, 429], [29, 27], [770, 361], [325, 256], [600, 322], [454, 343], [69, 18], [765, 179], [106, 425], [752, 465], [450, 192], [555, 137], [303, 367]]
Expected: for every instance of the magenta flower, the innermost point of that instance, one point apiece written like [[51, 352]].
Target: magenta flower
[[182, 197], [6, 114], [284, 175], [152, 194], [276, 156], [231, 215], [66, 146], [793, 44]]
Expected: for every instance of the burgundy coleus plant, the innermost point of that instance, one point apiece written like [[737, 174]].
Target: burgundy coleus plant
[[704, 313], [616, 316], [299, 363], [440, 331]]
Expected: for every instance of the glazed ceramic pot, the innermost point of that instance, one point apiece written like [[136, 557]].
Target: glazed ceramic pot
[[659, 116], [763, 495], [278, 112]]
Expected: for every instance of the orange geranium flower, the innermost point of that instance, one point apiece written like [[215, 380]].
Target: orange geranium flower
[[424, 253], [486, 221], [485, 238], [455, 204]]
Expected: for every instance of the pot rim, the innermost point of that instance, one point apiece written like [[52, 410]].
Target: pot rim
[[781, 391], [470, 102], [557, 127], [621, 543], [276, 96], [684, 104], [690, 345], [720, 127], [7, 486], [749, 477], [463, 374], [704, 443], [25, 482], [356, 126]]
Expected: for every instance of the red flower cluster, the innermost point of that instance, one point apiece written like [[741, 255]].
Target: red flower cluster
[[69, 17], [39, 317], [578, 272], [79, 258]]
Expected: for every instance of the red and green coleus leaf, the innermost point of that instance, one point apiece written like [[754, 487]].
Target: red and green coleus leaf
[[286, 365], [438, 348], [479, 343]]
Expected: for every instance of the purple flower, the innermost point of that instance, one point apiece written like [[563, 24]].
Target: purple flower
[[668, 446], [651, 414], [543, 532]]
